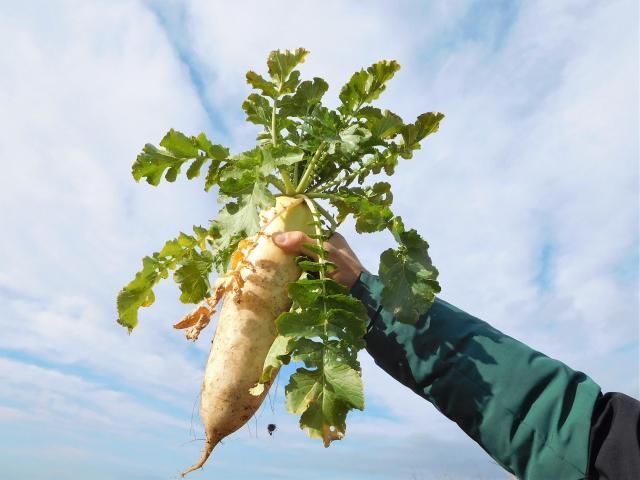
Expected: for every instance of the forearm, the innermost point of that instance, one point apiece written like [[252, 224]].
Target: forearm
[[529, 412]]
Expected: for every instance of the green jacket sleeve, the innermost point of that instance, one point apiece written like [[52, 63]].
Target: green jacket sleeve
[[531, 413]]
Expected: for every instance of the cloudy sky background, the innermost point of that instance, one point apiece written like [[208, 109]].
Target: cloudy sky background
[[528, 196]]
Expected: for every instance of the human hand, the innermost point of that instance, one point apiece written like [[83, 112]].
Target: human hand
[[338, 252]]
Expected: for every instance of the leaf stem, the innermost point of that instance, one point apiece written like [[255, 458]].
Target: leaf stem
[[276, 183], [327, 215], [290, 187], [321, 260], [273, 122], [306, 176], [346, 179], [314, 194]]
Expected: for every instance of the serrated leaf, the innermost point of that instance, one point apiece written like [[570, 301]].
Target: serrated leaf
[[306, 97], [195, 167], [326, 328], [311, 266], [382, 124], [152, 163], [213, 175], [290, 85], [239, 219], [139, 291], [177, 149], [314, 248], [239, 184], [369, 206], [179, 144], [324, 396], [172, 249], [260, 83], [413, 133], [304, 388], [306, 350], [366, 85], [193, 276], [281, 64], [258, 110], [308, 323], [212, 150], [277, 356], [409, 278], [345, 303], [307, 291], [285, 155], [346, 326], [352, 137], [345, 381]]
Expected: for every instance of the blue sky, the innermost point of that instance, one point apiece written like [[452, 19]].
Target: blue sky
[[528, 196]]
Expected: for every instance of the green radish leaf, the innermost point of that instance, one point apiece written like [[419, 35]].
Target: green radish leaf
[[179, 144], [236, 183], [381, 124], [258, 110], [193, 276], [369, 206], [238, 219], [311, 266], [195, 167], [305, 350], [306, 292], [351, 138], [267, 88], [306, 97], [213, 175], [309, 323], [241, 217], [278, 355], [282, 155], [176, 149], [139, 292], [152, 164], [366, 85], [326, 331], [413, 133], [409, 277], [324, 396], [281, 65], [211, 150]]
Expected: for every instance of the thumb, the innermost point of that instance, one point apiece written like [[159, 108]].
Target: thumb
[[293, 242]]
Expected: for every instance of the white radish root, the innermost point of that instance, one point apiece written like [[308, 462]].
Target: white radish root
[[256, 294]]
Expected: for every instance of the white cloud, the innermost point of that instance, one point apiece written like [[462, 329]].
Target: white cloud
[[81, 97], [8, 414], [74, 331], [50, 398]]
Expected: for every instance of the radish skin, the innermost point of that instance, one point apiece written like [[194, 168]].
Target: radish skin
[[246, 330]]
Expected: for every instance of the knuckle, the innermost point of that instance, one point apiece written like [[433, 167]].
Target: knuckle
[[298, 237]]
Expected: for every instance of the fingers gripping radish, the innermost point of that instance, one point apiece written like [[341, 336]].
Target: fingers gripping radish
[[307, 172]]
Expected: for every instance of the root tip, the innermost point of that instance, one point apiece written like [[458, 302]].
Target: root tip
[[205, 456]]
